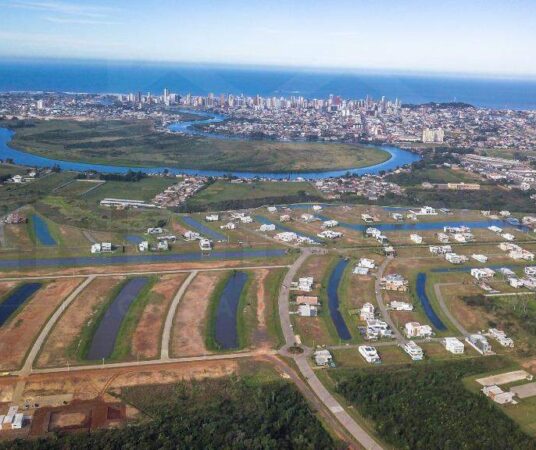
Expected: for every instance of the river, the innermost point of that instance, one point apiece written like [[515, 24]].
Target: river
[[398, 158]]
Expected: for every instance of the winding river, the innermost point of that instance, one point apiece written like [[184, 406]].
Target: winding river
[[398, 158]]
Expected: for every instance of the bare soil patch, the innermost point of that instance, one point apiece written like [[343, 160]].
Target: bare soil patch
[[147, 336], [20, 332], [188, 333]]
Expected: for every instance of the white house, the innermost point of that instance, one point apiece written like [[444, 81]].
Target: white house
[[367, 312], [479, 258], [358, 270], [508, 273], [212, 218], [246, 219], [307, 310], [317, 208], [322, 357], [368, 263], [443, 238], [370, 354], [271, 209], [479, 343], [191, 235], [228, 226], [454, 258], [499, 396], [482, 273], [305, 284], [397, 305], [500, 337], [453, 345], [267, 227], [162, 246], [367, 218], [530, 271], [103, 247], [205, 244], [286, 236], [508, 237], [516, 282], [284, 218], [413, 350], [463, 237], [329, 234], [440, 249], [425, 211], [155, 230], [306, 217], [143, 246], [415, 329], [495, 229], [416, 238], [330, 224], [377, 328], [505, 213]]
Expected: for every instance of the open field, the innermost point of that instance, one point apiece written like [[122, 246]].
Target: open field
[[18, 334], [223, 195], [137, 144]]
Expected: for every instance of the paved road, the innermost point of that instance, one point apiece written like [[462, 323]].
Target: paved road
[[381, 305], [446, 310], [36, 348], [302, 361], [166, 335]]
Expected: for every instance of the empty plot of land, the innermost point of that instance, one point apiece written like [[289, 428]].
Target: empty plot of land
[[147, 336], [525, 390], [61, 346], [188, 333], [19, 333], [504, 378]]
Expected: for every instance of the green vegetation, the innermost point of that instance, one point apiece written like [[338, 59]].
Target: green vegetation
[[427, 406], [434, 175], [224, 195], [81, 209], [136, 143], [123, 342], [210, 339], [238, 413], [516, 315], [272, 285], [13, 196]]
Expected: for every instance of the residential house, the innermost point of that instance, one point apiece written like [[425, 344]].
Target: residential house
[[415, 329], [323, 357], [369, 353], [367, 311], [413, 350], [394, 282], [453, 345], [479, 343], [397, 305], [307, 310]]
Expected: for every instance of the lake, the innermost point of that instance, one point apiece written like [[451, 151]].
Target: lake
[[333, 300]]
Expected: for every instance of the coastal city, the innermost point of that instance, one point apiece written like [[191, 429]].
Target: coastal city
[[267, 225], [456, 125]]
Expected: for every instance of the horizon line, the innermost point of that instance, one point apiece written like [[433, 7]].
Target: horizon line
[[275, 67]]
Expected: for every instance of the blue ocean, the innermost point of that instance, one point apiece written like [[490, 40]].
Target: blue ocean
[[124, 77]]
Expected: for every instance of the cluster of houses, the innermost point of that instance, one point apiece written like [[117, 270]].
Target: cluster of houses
[[371, 187], [516, 252], [102, 247], [178, 193], [374, 328], [204, 243], [290, 236], [376, 234], [308, 305], [20, 179]]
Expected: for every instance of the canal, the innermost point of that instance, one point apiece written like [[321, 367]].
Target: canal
[[333, 300], [226, 324], [15, 299], [103, 342], [425, 302]]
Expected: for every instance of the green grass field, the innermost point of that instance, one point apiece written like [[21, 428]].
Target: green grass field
[[136, 143]]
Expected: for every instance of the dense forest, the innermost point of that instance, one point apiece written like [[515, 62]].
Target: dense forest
[[427, 407], [227, 413]]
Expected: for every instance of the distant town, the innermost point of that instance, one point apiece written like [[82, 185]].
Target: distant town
[[456, 125]]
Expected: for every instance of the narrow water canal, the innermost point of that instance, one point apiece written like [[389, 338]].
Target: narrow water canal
[[333, 300]]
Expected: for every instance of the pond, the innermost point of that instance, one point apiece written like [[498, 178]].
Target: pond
[[425, 302], [333, 300], [226, 325], [41, 231], [15, 299], [103, 342]]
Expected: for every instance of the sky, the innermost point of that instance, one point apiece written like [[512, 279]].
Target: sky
[[493, 37]]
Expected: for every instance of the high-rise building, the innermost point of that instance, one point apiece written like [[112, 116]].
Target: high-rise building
[[432, 136]]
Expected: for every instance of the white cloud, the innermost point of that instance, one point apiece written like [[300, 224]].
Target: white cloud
[[64, 8], [82, 21]]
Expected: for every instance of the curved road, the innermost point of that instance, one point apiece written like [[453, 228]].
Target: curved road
[[301, 360]]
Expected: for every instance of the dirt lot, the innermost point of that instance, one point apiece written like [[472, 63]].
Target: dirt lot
[[188, 333], [147, 336], [88, 384], [260, 332], [6, 286], [19, 333], [67, 329]]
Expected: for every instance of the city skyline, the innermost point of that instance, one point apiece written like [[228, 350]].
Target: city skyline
[[489, 38]]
